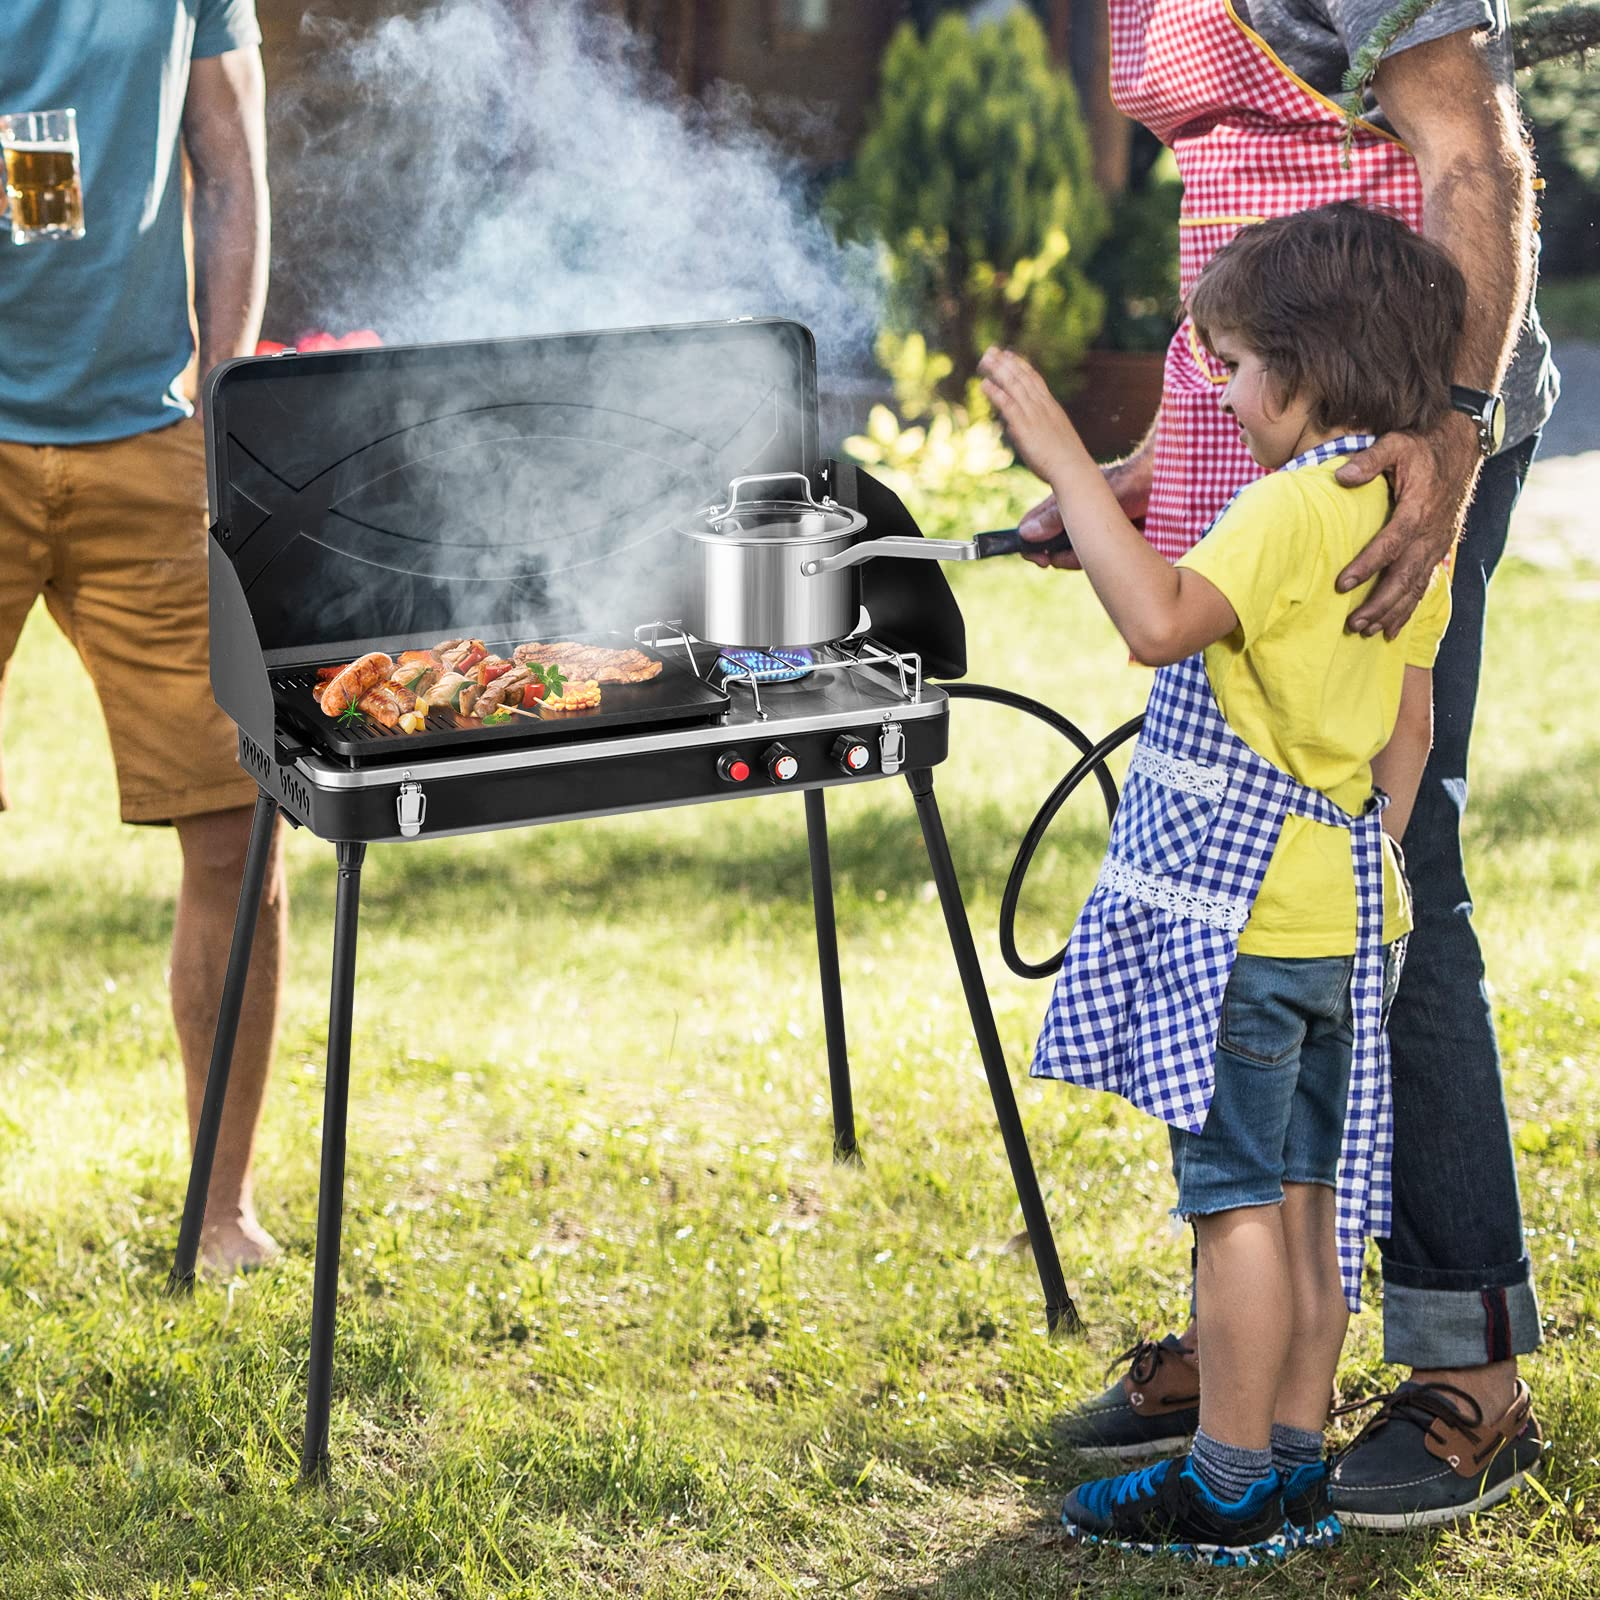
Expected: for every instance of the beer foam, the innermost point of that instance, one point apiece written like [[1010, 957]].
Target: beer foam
[[39, 147]]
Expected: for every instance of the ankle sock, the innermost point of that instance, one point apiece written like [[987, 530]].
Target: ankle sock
[[1294, 1447], [1229, 1471]]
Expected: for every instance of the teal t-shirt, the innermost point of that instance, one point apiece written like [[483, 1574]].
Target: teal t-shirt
[[94, 332]]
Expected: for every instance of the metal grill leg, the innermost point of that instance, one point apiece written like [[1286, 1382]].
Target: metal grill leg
[[844, 1116], [330, 1197], [1060, 1313], [181, 1278]]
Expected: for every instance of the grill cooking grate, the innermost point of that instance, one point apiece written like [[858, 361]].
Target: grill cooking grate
[[675, 696]]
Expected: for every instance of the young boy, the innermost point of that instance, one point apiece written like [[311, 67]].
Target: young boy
[[1227, 973]]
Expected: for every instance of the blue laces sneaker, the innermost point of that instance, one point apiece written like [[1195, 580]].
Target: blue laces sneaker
[[1166, 1507], [1309, 1522]]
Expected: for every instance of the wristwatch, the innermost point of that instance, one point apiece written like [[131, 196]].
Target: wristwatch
[[1486, 410]]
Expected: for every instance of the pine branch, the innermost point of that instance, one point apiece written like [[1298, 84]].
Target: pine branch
[[1570, 30]]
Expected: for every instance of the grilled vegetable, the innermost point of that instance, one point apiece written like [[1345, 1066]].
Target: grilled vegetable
[[505, 690]]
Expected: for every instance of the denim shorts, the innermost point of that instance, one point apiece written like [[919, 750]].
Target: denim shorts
[[1283, 1077]]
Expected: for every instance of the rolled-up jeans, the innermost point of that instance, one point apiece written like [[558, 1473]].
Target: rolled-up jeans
[[1457, 1281]]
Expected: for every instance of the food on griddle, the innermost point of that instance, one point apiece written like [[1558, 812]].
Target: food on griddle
[[454, 692], [429, 658], [577, 696], [505, 690], [386, 704], [486, 671], [417, 676], [591, 663], [348, 686], [415, 721], [461, 655]]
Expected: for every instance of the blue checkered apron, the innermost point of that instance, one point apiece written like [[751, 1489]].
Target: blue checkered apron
[[1138, 1001]]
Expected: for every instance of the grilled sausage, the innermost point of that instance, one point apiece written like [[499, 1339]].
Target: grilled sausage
[[356, 679], [387, 703]]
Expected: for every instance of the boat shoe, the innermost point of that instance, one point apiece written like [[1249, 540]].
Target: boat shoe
[[1166, 1508], [1151, 1410], [1430, 1457]]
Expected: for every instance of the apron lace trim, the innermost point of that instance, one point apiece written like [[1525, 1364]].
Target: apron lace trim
[[1216, 911], [1210, 783]]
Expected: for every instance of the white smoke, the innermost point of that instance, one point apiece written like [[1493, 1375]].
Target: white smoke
[[483, 170]]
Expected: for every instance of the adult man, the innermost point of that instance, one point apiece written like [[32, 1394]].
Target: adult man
[[102, 464], [1246, 100]]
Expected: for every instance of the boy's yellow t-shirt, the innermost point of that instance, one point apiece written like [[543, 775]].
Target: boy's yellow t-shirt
[[1315, 700]]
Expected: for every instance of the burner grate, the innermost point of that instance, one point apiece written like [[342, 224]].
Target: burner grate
[[767, 666]]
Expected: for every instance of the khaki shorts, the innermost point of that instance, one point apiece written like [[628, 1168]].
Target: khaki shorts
[[114, 537]]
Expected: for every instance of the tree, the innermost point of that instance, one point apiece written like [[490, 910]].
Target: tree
[[976, 177]]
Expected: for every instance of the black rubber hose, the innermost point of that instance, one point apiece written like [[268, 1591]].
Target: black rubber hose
[[1092, 758]]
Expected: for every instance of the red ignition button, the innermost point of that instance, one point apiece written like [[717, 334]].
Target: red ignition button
[[732, 767], [781, 763], [850, 753]]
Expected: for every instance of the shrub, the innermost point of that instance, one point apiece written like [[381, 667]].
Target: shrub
[[947, 462], [976, 178]]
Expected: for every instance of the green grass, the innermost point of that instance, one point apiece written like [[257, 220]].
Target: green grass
[[611, 1322], [1570, 307]]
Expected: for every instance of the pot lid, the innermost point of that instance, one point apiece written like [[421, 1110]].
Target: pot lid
[[772, 521], [777, 522]]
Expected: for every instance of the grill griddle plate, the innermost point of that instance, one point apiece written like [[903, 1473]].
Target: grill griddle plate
[[676, 696]]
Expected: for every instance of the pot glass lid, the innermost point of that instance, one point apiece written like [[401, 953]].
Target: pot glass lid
[[777, 521]]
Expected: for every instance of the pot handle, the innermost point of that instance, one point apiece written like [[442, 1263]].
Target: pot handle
[[1004, 542], [765, 477], [1009, 542]]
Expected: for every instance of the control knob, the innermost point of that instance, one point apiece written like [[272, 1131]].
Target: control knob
[[850, 754], [781, 763]]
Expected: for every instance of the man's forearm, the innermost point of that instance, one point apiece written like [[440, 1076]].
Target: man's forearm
[[1478, 204], [231, 253]]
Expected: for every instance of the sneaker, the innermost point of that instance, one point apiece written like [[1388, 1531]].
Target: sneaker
[[1151, 1410], [1429, 1457], [1309, 1521], [1167, 1508]]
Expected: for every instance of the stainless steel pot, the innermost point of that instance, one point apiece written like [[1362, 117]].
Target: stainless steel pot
[[773, 572], [746, 588]]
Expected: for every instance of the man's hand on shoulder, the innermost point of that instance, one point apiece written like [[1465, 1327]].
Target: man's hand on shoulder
[[1432, 476]]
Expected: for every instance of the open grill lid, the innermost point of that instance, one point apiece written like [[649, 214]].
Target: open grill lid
[[514, 487]]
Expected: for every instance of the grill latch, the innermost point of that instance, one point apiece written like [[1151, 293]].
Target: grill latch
[[411, 806], [891, 746]]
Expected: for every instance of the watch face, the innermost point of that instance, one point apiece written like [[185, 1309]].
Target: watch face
[[1494, 418]]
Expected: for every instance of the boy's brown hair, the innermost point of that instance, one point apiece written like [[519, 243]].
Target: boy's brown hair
[[1346, 305]]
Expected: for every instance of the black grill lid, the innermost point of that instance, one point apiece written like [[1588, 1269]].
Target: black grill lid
[[526, 482]]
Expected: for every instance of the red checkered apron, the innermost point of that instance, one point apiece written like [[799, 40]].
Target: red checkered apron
[[1252, 141]]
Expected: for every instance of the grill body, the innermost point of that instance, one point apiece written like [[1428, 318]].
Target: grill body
[[525, 490]]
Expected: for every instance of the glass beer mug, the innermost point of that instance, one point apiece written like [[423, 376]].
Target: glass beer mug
[[44, 183]]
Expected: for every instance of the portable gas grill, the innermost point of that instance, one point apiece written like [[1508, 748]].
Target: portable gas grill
[[524, 490]]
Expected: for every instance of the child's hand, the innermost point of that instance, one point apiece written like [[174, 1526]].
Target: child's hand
[[1039, 428]]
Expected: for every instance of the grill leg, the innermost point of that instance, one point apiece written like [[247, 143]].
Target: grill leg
[[330, 1197], [1060, 1313], [844, 1116], [181, 1278]]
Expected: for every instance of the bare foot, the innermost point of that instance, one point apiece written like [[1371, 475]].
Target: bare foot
[[237, 1244]]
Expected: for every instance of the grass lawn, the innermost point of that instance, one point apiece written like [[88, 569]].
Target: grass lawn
[[611, 1322]]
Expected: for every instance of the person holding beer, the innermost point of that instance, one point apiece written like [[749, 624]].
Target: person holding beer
[[102, 460]]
